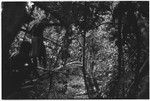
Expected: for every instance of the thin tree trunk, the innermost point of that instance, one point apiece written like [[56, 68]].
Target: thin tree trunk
[[134, 87], [115, 93], [120, 58], [84, 65], [137, 79]]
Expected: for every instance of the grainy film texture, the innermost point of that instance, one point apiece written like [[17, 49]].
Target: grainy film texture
[[75, 50]]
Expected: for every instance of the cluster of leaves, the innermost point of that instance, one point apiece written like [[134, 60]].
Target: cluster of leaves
[[23, 35], [103, 54]]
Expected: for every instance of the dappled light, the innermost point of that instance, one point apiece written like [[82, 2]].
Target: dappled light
[[76, 50]]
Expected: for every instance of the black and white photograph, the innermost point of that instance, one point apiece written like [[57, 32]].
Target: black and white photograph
[[75, 50]]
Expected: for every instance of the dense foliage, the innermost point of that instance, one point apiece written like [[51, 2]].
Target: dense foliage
[[83, 50]]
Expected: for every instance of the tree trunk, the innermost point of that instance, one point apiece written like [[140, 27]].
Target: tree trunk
[[135, 30], [117, 90], [84, 66]]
